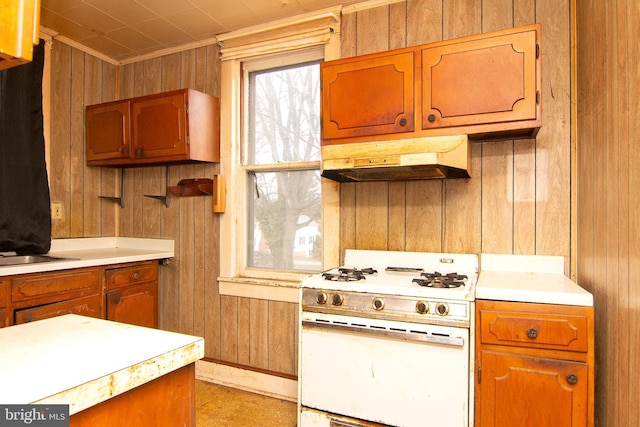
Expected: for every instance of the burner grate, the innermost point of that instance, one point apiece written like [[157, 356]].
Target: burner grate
[[439, 280], [345, 274]]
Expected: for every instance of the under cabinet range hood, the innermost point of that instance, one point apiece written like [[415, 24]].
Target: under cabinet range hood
[[419, 158]]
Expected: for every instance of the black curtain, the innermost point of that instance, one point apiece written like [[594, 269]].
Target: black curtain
[[25, 213]]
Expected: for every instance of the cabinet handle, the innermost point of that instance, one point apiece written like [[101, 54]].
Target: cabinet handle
[[532, 333], [572, 379], [138, 152], [136, 276], [403, 122], [115, 299], [123, 150], [431, 118]]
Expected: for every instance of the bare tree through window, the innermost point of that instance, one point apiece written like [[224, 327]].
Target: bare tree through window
[[284, 133]]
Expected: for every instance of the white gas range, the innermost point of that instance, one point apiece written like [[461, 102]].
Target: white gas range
[[385, 340]]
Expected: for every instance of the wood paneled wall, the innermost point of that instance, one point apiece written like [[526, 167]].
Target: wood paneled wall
[[518, 199], [608, 226], [257, 333]]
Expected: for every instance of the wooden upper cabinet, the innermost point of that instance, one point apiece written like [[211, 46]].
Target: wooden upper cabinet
[[107, 128], [20, 23], [160, 126], [173, 127], [485, 86], [370, 95], [486, 83]]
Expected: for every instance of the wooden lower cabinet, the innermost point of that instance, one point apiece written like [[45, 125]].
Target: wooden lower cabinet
[[137, 305], [168, 401], [5, 299], [126, 293], [534, 365], [532, 391], [132, 294]]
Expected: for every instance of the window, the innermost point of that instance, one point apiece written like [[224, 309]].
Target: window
[[252, 262], [282, 165]]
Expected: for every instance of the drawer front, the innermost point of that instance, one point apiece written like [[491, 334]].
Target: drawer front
[[534, 330], [41, 285], [85, 306], [125, 276]]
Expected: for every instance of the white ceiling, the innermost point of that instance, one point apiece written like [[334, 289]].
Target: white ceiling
[[126, 29]]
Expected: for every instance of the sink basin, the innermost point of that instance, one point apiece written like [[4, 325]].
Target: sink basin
[[30, 259]]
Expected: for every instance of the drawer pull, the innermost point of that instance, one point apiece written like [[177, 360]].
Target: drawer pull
[[572, 379], [532, 333], [136, 276]]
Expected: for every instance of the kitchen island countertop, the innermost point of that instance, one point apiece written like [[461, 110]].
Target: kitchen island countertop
[[95, 251], [528, 278], [83, 361]]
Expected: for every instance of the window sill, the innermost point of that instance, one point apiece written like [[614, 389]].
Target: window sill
[[246, 287]]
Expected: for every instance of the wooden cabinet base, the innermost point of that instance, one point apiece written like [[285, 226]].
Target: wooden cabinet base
[[166, 401]]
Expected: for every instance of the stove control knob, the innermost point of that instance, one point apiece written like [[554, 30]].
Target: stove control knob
[[378, 303], [442, 308], [337, 299], [422, 307], [321, 298]]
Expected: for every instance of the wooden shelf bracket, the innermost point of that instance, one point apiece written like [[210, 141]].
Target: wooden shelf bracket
[[164, 199], [118, 199]]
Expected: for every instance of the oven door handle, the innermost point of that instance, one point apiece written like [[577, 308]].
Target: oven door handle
[[388, 333]]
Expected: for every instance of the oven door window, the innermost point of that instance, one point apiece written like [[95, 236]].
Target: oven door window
[[384, 377]]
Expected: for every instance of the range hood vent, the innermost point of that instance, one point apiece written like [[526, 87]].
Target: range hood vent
[[441, 157]]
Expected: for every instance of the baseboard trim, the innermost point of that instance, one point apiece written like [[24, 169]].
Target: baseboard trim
[[245, 379]]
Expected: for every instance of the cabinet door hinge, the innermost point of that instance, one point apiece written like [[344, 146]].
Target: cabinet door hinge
[[537, 51], [537, 97], [479, 374]]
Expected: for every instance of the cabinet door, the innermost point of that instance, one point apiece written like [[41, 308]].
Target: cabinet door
[[108, 131], [524, 391], [85, 306], [137, 305], [20, 23], [488, 80], [160, 126], [368, 96]]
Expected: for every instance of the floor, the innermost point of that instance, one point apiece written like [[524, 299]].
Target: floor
[[218, 406]]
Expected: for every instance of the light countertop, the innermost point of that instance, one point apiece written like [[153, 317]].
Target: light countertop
[[82, 361], [89, 252], [528, 278]]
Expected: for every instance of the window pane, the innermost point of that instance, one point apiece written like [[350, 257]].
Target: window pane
[[285, 115], [284, 222]]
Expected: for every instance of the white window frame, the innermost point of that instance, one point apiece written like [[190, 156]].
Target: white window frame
[[311, 36]]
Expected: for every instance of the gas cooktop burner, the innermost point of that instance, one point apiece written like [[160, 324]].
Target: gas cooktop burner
[[438, 280], [345, 274]]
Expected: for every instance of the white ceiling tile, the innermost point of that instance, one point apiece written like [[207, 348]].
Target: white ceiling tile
[[106, 46], [126, 11], [92, 18], [132, 39], [166, 7], [163, 32], [123, 29], [195, 23]]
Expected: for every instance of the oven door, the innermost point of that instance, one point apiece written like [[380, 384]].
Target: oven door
[[394, 373]]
